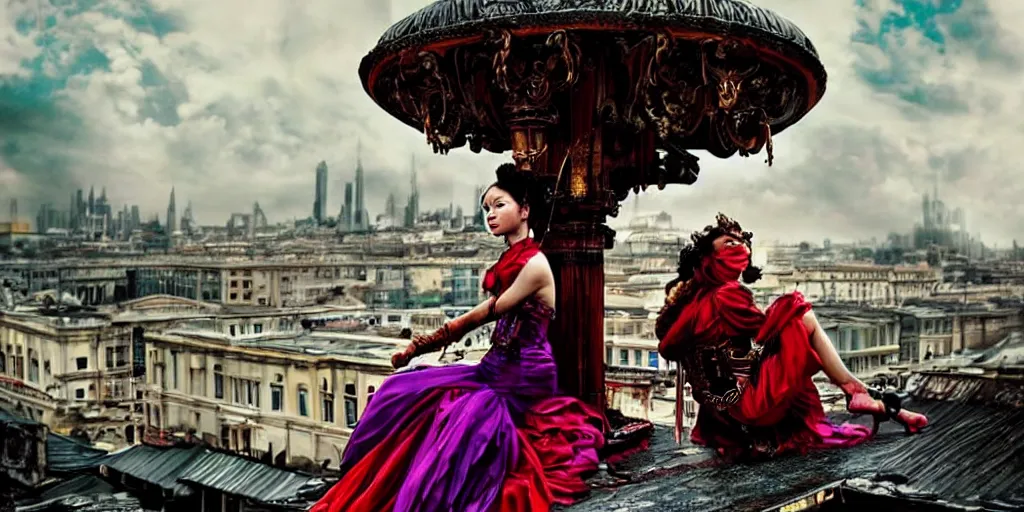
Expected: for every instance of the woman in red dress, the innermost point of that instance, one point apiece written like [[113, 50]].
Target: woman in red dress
[[751, 370]]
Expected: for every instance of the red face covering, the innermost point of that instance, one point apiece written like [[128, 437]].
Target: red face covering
[[725, 265]]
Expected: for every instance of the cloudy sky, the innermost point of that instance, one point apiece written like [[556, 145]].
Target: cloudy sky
[[232, 101]]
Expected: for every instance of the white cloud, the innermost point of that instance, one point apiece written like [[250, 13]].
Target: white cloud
[[243, 102]]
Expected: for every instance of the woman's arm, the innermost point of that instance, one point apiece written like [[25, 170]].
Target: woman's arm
[[534, 277]]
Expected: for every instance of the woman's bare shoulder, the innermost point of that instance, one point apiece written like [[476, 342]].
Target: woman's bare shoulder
[[537, 265]]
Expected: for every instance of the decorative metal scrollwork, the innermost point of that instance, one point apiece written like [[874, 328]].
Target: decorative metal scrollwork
[[423, 91]]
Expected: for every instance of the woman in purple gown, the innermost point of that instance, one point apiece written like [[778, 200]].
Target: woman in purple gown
[[492, 436]]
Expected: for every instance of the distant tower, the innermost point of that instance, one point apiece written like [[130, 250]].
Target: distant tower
[[172, 215], [79, 209], [391, 207], [320, 201], [346, 212], [361, 221], [478, 207], [92, 200], [412, 208], [136, 217], [72, 212]]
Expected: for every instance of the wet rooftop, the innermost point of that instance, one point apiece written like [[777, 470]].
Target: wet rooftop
[[972, 456]]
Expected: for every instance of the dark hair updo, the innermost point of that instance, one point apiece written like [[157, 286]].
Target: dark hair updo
[[526, 190]]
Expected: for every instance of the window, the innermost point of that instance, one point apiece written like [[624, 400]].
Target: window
[[234, 295], [82, 363], [33, 366], [3, 361], [197, 382], [233, 328], [113, 389], [327, 402], [117, 356], [257, 328], [394, 318], [245, 392], [174, 370], [303, 401], [608, 355], [351, 405], [277, 393], [638, 357], [80, 394], [623, 357], [218, 381], [652, 359]]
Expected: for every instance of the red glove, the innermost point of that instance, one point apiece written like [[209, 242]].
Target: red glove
[[448, 333]]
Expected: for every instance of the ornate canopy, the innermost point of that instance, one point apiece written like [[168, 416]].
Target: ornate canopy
[[721, 75]]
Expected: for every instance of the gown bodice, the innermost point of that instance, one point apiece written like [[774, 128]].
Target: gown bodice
[[525, 326]]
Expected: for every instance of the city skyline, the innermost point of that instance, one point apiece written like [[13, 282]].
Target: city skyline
[[227, 117]]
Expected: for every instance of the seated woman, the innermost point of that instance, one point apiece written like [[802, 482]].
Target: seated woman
[[492, 436], [751, 371]]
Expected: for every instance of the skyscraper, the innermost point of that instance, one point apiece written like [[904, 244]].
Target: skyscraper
[[346, 212], [320, 201], [361, 221], [391, 207], [478, 207], [412, 208], [79, 209], [136, 217], [172, 215]]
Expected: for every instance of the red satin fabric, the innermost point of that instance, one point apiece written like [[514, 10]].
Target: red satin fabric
[[372, 484], [783, 406], [503, 273], [548, 469], [714, 313], [725, 265]]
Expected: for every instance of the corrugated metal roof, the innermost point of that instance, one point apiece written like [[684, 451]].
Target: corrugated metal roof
[[181, 470], [241, 477], [83, 485], [65, 455], [9, 417], [158, 466]]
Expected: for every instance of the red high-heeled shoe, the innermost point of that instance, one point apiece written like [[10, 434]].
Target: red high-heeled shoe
[[859, 400], [882, 406]]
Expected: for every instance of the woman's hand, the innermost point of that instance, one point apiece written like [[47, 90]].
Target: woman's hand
[[401, 358]]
